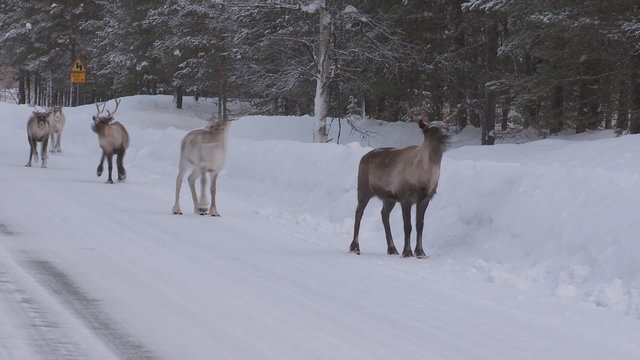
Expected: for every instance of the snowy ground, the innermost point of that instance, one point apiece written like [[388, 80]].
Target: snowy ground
[[534, 251]]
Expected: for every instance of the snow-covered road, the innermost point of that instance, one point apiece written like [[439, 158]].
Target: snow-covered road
[[96, 271]]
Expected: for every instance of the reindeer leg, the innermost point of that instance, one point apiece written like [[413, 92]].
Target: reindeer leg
[[36, 156], [31, 150], [58, 138], [52, 137], [213, 211], [387, 206], [122, 173], [192, 186], [99, 171], [202, 204], [406, 218], [176, 207], [44, 154], [421, 208], [362, 203], [110, 164]]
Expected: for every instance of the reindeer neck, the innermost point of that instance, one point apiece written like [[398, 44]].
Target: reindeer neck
[[217, 133], [433, 146]]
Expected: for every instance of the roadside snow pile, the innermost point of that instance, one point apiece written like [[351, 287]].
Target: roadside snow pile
[[557, 216], [554, 210]]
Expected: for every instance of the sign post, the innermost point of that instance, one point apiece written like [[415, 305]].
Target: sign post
[[78, 74]]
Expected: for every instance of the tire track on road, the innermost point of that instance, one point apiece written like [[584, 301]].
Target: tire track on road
[[88, 310], [48, 338]]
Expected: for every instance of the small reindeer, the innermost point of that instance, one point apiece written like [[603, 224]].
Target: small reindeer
[[38, 129], [408, 176], [113, 139], [57, 121], [203, 151]]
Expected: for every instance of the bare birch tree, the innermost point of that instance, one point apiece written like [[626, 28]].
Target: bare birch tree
[[306, 32]]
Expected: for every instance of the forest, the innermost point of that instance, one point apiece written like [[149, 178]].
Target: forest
[[499, 65]]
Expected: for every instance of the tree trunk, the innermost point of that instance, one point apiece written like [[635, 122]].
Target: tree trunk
[[179, 97], [504, 125], [489, 118], [222, 93], [557, 103], [594, 116], [22, 96], [322, 77], [622, 117], [581, 114], [27, 81], [634, 123], [36, 89], [459, 93]]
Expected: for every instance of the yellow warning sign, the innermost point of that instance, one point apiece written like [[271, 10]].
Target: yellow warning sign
[[78, 77], [78, 71], [78, 65]]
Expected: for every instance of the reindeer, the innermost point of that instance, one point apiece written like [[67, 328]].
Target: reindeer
[[408, 176], [203, 151], [113, 138], [57, 121], [38, 129]]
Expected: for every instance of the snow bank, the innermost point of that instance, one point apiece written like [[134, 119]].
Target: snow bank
[[558, 216]]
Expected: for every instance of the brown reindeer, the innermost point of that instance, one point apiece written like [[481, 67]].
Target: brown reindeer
[[57, 121], [38, 129], [113, 139], [408, 176], [203, 151]]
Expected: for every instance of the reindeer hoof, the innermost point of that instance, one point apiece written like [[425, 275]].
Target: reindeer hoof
[[109, 181], [423, 256], [28, 165], [407, 254], [354, 249], [201, 211], [392, 251], [177, 213]]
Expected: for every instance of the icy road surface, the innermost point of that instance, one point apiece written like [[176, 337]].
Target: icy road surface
[[96, 271]]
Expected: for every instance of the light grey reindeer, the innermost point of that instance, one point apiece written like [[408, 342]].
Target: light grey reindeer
[[408, 176], [38, 129], [203, 151], [57, 121], [113, 139]]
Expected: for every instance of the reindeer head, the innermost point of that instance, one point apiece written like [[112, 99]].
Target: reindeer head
[[435, 129], [41, 118], [99, 119]]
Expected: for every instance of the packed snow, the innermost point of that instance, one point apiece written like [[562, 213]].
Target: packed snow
[[533, 247]]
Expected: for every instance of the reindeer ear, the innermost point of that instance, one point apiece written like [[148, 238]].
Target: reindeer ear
[[94, 118], [422, 124]]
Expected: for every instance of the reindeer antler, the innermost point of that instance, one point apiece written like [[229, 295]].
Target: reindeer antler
[[450, 116], [104, 104], [424, 114], [116, 109]]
